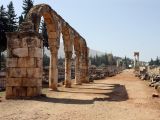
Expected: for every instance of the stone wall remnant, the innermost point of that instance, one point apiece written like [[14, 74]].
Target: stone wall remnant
[[24, 62]]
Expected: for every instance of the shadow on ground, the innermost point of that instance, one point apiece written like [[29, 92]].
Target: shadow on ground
[[116, 93]]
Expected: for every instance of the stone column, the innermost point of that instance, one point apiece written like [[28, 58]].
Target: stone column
[[134, 61], [77, 69], [87, 66], [53, 71], [68, 56], [84, 72], [24, 63], [138, 61], [81, 68], [85, 78]]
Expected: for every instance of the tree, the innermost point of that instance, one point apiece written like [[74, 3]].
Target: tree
[[20, 19], [3, 29], [157, 61], [3, 39], [110, 59], [3, 18], [154, 62], [151, 62], [43, 29], [12, 23], [3, 42], [106, 59], [61, 61], [46, 60], [103, 60], [27, 5], [126, 62]]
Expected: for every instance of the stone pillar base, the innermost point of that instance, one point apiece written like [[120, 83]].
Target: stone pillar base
[[22, 92], [53, 87], [67, 84], [85, 80]]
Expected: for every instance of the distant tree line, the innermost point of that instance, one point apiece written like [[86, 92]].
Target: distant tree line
[[103, 60], [155, 62], [109, 59], [126, 62], [46, 61]]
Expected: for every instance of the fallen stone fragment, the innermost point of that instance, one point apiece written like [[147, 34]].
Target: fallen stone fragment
[[155, 95], [43, 95]]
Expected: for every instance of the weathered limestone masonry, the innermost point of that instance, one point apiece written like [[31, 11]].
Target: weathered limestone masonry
[[24, 63], [84, 62], [86, 65], [136, 60], [77, 49], [53, 68], [68, 37], [25, 54]]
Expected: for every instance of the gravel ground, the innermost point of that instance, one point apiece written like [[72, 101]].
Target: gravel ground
[[122, 97]]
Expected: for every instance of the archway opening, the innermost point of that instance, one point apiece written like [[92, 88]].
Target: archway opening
[[46, 53], [61, 61]]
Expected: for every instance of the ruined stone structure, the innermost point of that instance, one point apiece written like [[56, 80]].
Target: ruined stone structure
[[24, 62], [136, 60]]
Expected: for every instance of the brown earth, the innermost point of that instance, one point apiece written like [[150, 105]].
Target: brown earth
[[122, 97]]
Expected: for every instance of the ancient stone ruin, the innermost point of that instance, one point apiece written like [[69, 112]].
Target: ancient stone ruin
[[136, 61], [24, 62]]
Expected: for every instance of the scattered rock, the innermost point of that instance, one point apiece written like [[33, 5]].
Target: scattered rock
[[59, 85], [155, 95], [158, 89], [43, 95], [63, 83]]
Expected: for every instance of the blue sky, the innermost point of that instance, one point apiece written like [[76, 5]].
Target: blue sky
[[117, 26]]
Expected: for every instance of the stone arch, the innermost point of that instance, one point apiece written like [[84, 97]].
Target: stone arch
[[29, 35], [53, 29], [55, 26], [51, 20]]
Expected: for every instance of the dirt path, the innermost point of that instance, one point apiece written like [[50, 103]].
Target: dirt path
[[122, 97]]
